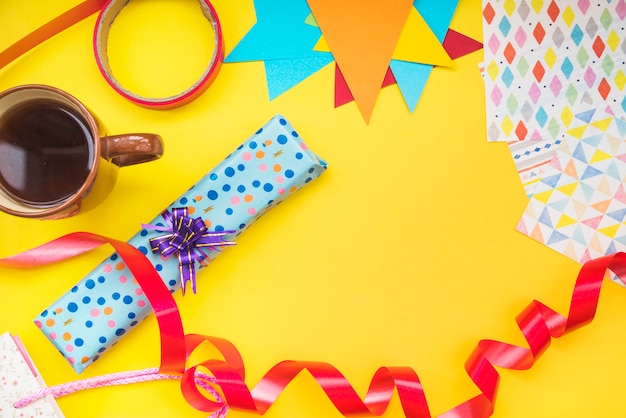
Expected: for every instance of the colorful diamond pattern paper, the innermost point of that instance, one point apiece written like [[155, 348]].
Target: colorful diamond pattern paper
[[555, 58], [578, 208]]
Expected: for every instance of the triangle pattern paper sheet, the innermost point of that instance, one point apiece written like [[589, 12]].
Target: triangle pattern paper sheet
[[18, 377], [531, 159], [578, 208], [546, 60]]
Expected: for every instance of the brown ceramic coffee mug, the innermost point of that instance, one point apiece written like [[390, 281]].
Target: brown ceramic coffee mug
[[55, 158]]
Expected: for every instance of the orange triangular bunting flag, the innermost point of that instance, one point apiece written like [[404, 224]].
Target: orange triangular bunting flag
[[362, 36]]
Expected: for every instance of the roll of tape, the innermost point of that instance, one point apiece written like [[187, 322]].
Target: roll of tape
[[109, 10], [100, 39]]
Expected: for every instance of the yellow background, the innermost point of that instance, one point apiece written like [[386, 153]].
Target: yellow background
[[403, 253]]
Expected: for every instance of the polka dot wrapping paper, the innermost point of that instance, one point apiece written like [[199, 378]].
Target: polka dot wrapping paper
[[267, 168]]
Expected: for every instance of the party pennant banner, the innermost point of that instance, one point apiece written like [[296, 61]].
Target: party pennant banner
[[375, 27], [410, 41]]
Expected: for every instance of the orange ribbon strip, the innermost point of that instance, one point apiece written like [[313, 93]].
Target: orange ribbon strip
[[47, 31], [538, 323], [108, 10]]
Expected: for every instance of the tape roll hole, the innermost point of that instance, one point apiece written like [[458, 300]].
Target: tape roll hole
[[157, 49]]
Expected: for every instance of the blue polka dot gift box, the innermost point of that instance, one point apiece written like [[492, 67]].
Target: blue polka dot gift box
[[99, 310]]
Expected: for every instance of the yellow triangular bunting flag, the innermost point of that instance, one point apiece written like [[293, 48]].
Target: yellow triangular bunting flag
[[321, 45], [417, 43]]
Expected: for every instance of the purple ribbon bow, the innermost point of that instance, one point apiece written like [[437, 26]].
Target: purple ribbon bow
[[188, 238]]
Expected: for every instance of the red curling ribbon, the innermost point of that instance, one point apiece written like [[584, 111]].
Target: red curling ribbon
[[109, 9], [168, 318], [538, 323]]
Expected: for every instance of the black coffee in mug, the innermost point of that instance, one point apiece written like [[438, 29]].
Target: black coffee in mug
[[46, 152]]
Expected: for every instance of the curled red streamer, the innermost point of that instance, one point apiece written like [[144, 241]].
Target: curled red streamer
[[163, 304], [538, 323]]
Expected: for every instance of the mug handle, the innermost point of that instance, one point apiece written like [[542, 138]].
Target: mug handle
[[129, 149]]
